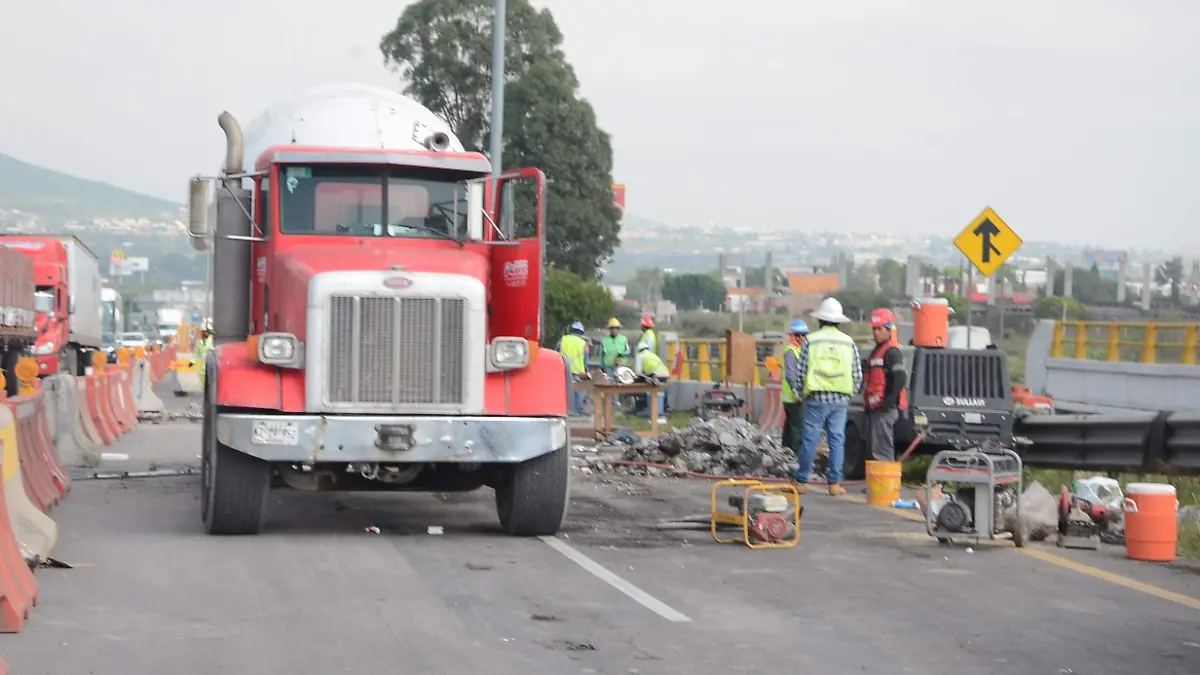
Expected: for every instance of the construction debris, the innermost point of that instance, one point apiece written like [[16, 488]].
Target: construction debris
[[724, 446]]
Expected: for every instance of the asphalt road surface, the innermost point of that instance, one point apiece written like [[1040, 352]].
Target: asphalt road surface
[[321, 592]]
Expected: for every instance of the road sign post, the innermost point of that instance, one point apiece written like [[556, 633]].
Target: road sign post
[[987, 242]]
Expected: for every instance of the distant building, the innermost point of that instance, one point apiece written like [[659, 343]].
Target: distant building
[[819, 285]]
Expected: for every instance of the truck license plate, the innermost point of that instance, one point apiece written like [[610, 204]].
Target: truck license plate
[[973, 418], [274, 432]]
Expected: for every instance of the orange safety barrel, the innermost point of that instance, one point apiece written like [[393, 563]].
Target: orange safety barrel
[[931, 322]]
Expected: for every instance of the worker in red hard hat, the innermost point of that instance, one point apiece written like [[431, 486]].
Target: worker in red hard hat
[[883, 390], [646, 342]]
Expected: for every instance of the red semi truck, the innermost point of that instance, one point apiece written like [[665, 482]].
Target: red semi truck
[[376, 316], [18, 321], [67, 300]]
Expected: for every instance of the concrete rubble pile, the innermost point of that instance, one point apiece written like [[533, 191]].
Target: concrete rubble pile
[[720, 446]]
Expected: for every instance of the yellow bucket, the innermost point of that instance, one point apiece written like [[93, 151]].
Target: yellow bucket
[[883, 482]]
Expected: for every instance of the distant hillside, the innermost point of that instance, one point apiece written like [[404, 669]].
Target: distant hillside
[[59, 196]]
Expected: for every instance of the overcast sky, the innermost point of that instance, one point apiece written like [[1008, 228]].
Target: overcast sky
[[1079, 121]]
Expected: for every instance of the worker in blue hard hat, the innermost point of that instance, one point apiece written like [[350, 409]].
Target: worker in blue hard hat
[[793, 404], [574, 349]]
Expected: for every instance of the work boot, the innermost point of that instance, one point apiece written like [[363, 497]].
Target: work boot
[[801, 488], [836, 490]]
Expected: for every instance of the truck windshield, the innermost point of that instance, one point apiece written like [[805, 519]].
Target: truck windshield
[[43, 301], [372, 202]]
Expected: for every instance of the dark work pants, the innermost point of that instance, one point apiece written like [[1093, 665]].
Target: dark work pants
[[793, 426], [881, 434]]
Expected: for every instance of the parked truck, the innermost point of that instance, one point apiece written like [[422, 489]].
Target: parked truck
[[376, 315], [67, 300], [18, 320], [112, 314], [167, 322]]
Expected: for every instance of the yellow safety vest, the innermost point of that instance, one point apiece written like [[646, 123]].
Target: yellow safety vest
[[830, 365], [652, 365], [788, 395], [650, 338], [573, 348]]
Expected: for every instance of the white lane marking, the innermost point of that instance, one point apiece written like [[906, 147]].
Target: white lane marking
[[641, 597]]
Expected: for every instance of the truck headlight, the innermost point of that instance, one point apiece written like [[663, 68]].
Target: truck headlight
[[279, 349], [45, 348], [507, 353]]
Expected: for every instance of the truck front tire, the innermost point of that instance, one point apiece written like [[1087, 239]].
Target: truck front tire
[[531, 497], [234, 485]]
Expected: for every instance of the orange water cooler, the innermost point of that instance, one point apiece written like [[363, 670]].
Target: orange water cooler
[[931, 322], [1151, 521]]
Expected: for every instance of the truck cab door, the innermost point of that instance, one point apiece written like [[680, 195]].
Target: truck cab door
[[517, 216]]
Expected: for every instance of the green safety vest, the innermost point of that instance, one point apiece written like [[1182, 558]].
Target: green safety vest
[[574, 349], [649, 337], [788, 395], [653, 365], [830, 364], [612, 348]]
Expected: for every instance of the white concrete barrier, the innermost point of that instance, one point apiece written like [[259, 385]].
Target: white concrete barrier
[[144, 398], [66, 423]]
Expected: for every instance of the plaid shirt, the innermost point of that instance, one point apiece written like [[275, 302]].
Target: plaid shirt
[[828, 396]]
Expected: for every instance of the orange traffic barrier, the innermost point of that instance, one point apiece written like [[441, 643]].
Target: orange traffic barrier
[[18, 587], [3, 667], [46, 448], [94, 395], [118, 380], [44, 483], [125, 393], [771, 418], [104, 392], [90, 431]]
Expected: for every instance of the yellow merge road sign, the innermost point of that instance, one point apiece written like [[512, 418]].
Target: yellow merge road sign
[[987, 242]]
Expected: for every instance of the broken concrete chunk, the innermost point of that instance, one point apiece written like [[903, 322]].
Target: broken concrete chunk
[[720, 446]]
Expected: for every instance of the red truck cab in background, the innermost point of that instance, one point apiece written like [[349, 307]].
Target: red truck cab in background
[[66, 299], [376, 315]]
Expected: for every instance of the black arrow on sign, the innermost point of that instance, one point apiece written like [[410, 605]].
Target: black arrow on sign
[[986, 230]]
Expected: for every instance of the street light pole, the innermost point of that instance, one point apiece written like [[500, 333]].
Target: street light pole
[[499, 10]]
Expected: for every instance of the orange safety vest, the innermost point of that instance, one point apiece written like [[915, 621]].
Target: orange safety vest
[[876, 378]]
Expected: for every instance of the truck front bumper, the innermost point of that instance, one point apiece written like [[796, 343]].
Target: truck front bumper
[[346, 438]]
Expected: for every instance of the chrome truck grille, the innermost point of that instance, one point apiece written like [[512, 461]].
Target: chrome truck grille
[[396, 351]]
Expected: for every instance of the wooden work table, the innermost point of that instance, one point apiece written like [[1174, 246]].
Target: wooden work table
[[602, 413]]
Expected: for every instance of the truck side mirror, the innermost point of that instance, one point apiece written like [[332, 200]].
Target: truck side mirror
[[70, 305], [198, 213]]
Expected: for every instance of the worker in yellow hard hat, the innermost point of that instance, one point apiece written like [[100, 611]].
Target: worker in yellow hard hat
[[614, 348]]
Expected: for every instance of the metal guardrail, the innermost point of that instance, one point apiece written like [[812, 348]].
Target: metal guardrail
[[1126, 342], [1160, 443]]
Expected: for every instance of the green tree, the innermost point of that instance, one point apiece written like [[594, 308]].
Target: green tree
[[569, 299], [756, 277], [1170, 272], [645, 281], [891, 276], [1052, 308], [693, 291], [442, 51], [1087, 286]]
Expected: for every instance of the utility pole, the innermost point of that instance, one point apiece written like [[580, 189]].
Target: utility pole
[[499, 10]]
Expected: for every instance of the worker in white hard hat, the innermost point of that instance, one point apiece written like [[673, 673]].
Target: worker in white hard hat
[[830, 373]]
